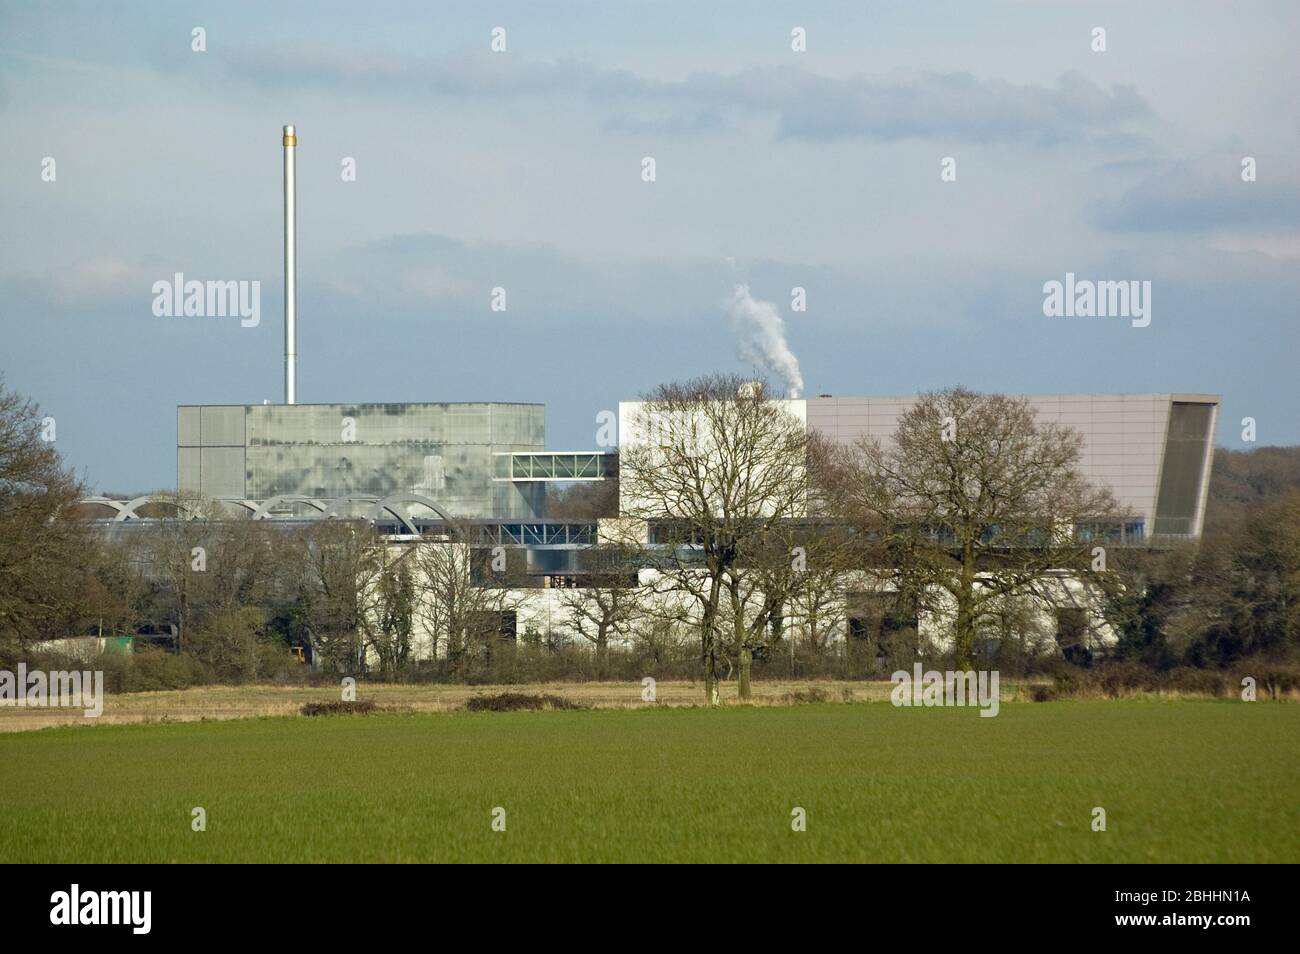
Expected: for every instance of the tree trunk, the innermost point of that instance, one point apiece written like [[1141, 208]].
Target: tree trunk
[[180, 623], [743, 659], [964, 638], [708, 650], [709, 662]]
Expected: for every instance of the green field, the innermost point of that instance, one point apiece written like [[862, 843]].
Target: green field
[[1180, 781]]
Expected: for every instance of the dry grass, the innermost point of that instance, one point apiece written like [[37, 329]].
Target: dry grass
[[244, 702], [253, 701]]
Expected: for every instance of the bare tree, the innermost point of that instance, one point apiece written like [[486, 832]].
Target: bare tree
[[584, 500], [973, 501], [713, 468], [201, 562], [605, 606], [340, 597], [461, 591], [389, 624], [810, 572]]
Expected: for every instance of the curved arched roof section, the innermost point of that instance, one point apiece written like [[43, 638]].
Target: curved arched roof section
[[129, 507], [398, 505], [263, 511], [113, 505], [392, 503]]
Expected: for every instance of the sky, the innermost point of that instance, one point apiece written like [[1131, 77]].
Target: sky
[[775, 168]]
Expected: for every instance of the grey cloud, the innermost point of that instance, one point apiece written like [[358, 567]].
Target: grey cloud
[[469, 75], [1201, 195], [807, 105], [955, 105], [692, 121]]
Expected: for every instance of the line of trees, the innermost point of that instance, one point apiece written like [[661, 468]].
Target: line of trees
[[742, 542], [974, 514]]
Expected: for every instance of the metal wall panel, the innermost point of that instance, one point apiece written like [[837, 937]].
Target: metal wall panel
[[221, 472], [443, 451], [188, 430], [187, 470], [222, 426]]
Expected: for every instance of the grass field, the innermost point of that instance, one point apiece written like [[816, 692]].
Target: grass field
[[1180, 781]]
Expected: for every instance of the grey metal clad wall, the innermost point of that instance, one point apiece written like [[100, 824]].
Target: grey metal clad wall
[[187, 470], [1124, 436], [188, 439], [222, 426], [444, 451], [221, 472], [523, 426], [848, 419], [188, 430], [210, 450], [516, 427]]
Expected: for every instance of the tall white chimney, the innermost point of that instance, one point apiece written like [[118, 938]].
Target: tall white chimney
[[290, 268]]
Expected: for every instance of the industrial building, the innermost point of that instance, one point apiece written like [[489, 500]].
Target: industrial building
[[412, 468], [487, 462], [1153, 451], [449, 453]]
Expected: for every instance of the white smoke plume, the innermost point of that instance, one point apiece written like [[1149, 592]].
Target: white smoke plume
[[762, 337]]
